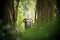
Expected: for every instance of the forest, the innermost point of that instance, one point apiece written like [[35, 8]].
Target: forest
[[29, 19]]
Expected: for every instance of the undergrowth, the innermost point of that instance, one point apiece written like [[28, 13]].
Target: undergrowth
[[46, 31]]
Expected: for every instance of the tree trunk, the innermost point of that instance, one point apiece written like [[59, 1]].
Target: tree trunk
[[44, 11], [7, 17], [8, 12], [39, 8], [17, 5], [35, 16]]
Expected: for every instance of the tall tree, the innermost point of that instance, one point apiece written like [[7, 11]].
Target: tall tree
[[44, 10], [17, 4], [39, 7], [7, 16]]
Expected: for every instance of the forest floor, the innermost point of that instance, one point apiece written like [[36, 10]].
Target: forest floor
[[40, 32]]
